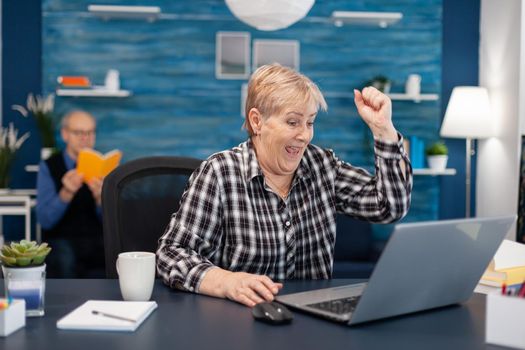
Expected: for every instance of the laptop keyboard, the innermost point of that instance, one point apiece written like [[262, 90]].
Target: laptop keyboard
[[337, 306]]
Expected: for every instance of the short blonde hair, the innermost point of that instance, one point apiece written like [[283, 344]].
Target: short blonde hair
[[272, 88]]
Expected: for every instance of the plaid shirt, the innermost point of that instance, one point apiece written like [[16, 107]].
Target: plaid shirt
[[229, 216]]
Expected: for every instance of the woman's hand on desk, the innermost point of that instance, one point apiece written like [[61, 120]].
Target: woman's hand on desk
[[242, 287]]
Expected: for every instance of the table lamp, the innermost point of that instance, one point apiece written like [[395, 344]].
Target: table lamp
[[468, 116]]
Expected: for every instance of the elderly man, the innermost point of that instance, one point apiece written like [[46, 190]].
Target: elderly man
[[69, 209]]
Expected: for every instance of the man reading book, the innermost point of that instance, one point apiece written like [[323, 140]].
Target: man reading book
[[68, 208]]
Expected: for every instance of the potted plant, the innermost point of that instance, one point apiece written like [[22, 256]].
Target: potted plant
[[9, 144], [380, 82], [25, 273], [42, 109], [437, 156]]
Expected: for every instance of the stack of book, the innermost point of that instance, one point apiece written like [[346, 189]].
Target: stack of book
[[507, 268]]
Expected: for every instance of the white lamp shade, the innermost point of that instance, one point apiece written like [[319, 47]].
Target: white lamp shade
[[270, 14], [469, 114]]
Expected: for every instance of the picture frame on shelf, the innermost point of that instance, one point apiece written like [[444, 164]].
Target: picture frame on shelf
[[232, 55], [284, 52]]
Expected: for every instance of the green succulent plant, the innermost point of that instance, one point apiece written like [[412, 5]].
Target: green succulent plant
[[24, 254], [437, 149]]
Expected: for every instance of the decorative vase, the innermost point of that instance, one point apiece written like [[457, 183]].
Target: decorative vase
[[437, 162], [28, 283], [413, 85]]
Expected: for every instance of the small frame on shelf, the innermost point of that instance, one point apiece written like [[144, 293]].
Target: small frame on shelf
[[232, 55], [285, 52], [244, 95]]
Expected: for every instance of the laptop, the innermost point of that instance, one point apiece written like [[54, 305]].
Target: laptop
[[424, 265]]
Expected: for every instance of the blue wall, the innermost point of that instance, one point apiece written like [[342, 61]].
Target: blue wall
[[178, 107], [460, 67], [21, 74], [177, 101]]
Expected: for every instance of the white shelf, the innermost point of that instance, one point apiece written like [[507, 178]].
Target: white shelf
[[415, 98], [92, 93], [381, 19], [393, 96], [107, 12], [432, 172], [17, 192], [32, 168]]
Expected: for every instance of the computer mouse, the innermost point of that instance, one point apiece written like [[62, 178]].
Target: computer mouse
[[272, 312]]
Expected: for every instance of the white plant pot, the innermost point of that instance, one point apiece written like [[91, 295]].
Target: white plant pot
[[437, 162], [27, 283]]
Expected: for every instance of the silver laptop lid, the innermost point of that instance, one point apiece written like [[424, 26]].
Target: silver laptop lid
[[430, 264]]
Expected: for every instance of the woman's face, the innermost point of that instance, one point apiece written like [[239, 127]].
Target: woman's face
[[282, 138]]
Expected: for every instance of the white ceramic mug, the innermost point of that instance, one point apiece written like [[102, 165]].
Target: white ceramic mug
[[136, 275]]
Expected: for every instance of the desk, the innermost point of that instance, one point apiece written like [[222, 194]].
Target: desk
[[190, 321]]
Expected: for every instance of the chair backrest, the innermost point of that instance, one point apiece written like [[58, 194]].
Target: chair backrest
[[138, 199], [354, 239]]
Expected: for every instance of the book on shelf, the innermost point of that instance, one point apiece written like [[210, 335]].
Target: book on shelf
[[93, 164], [108, 315], [417, 152], [69, 81], [508, 266]]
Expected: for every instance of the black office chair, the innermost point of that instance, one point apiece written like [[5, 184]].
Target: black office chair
[[138, 199], [354, 255]]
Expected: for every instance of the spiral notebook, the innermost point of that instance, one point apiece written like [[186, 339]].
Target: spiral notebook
[[108, 315]]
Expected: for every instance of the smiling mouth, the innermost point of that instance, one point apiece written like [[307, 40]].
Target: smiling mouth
[[293, 151]]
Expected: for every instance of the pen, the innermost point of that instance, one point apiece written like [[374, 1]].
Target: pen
[[100, 313]]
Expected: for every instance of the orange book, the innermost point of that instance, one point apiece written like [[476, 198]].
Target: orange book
[[93, 164], [74, 81]]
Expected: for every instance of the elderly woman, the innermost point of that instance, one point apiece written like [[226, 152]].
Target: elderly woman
[[265, 210]]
